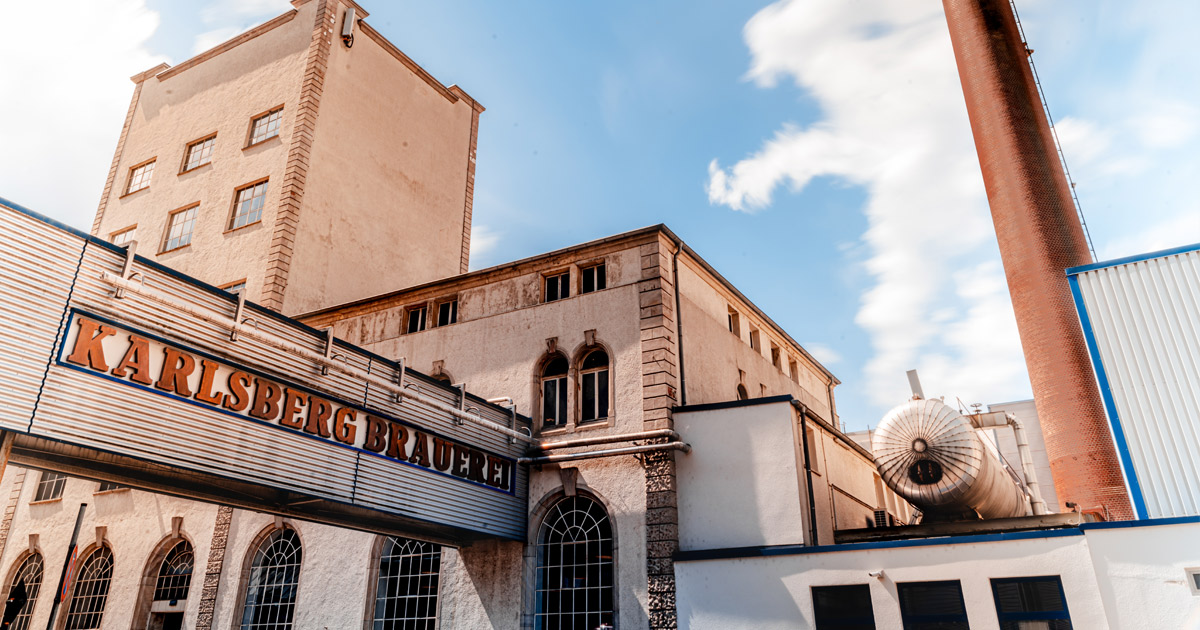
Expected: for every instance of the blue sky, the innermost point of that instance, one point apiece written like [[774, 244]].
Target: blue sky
[[816, 152]]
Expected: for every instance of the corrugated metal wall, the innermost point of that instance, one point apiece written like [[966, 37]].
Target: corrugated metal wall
[[52, 275], [1141, 317]]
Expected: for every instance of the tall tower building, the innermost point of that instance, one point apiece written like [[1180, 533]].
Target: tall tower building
[[1040, 235], [308, 162]]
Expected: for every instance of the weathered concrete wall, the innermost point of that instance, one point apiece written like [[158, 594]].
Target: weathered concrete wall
[[385, 190], [218, 95]]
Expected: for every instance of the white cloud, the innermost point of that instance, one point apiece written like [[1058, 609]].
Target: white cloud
[[825, 354], [483, 240], [65, 100], [894, 122], [229, 18]]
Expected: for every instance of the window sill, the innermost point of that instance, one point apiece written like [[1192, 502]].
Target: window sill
[[262, 143], [242, 227], [195, 168], [132, 193], [100, 493], [177, 249], [46, 501], [590, 425]]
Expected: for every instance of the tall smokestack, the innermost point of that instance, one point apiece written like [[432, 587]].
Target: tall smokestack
[[1040, 236]]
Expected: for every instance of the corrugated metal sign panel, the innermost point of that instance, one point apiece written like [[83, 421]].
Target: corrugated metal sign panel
[[157, 377], [1141, 318]]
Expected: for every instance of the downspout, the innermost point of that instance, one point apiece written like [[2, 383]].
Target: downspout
[[812, 502], [678, 322]]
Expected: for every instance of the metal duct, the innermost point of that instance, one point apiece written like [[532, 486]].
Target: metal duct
[[930, 454]]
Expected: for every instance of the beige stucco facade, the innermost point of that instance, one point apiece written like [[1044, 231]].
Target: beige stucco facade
[[373, 161]]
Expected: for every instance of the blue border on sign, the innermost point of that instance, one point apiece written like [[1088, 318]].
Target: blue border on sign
[[1110, 405], [76, 311]]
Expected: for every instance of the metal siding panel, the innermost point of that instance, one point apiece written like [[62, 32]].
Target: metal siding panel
[[1145, 318], [39, 264]]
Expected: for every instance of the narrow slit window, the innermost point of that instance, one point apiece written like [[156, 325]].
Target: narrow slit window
[[199, 153], [594, 377], [139, 177], [735, 323], [265, 127], [447, 313], [414, 319], [179, 228], [593, 279], [754, 343], [248, 205], [558, 287]]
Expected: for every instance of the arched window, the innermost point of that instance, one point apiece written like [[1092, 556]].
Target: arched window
[[90, 592], [26, 584], [554, 392], [594, 377], [175, 574], [406, 592], [274, 576], [742, 394], [575, 572]]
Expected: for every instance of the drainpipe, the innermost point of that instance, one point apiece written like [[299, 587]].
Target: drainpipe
[[812, 502], [678, 322]]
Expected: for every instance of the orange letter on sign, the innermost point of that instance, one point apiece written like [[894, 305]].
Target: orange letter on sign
[[420, 452], [376, 434], [319, 411], [177, 366], [344, 428], [137, 358], [291, 408], [208, 371], [89, 350], [238, 396], [266, 399]]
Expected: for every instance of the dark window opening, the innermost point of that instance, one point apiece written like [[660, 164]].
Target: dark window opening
[[843, 607], [1031, 602], [271, 589], [594, 376], [175, 574], [742, 394], [593, 279], [447, 313], [554, 393], [414, 320], [932, 606], [50, 486], [575, 573], [406, 591], [558, 287]]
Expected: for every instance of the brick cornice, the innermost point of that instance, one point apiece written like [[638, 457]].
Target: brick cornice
[[291, 193]]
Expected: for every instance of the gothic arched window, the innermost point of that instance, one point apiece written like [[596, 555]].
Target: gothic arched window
[[575, 572], [26, 584], [90, 592], [406, 591], [271, 588], [593, 376], [554, 392]]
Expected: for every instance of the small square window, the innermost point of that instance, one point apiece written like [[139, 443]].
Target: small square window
[[845, 607], [1031, 602], [558, 287], [179, 228], [1193, 579], [932, 605], [447, 313], [248, 205], [50, 486], [139, 177], [124, 237], [593, 279], [265, 127], [198, 153], [414, 319]]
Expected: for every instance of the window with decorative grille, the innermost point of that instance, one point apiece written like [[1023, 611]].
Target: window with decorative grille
[[175, 574], [575, 572], [50, 486], [90, 592], [406, 593], [25, 586], [271, 590]]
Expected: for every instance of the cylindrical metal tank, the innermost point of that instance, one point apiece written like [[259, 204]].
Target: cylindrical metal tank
[[930, 454]]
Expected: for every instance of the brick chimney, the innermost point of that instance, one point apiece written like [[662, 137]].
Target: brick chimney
[[1040, 236]]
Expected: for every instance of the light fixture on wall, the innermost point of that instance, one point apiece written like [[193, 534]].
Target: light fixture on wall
[[348, 27]]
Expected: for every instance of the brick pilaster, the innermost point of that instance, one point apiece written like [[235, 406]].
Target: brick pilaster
[[11, 508], [469, 203], [287, 217], [216, 564]]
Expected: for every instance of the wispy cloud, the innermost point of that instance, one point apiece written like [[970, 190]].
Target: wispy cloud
[[226, 19], [894, 122], [825, 354], [483, 240], [82, 106]]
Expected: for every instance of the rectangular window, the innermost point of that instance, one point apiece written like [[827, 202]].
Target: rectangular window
[[124, 237], [139, 177], [793, 371], [248, 205], [1033, 602], [932, 605], [447, 313], [558, 287], [843, 607], [198, 153], [735, 323], [776, 357], [414, 319], [179, 228], [50, 486], [235, 287], [108, 486], [554, 401], [754, 343], [265, 127], [593, 279]]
